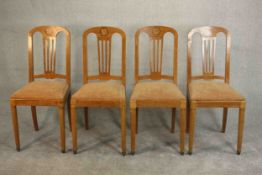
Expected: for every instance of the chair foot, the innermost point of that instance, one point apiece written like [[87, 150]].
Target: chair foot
[[18, 149], [62, 151], [132, 153], [238, 152], [75, 152], [123, 153], [182, 153], [190, 152]]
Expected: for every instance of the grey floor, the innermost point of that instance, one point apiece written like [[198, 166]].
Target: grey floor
[[99, 147]]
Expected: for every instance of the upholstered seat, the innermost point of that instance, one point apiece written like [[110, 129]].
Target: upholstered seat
[[102, 91], [213, 91], [156, 91], [42, 90]]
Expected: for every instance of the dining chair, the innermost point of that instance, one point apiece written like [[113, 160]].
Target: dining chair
[[103, 93], [155, 93], [205, 90], [44, 92]]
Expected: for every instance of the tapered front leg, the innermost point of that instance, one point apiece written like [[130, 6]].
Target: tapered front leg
[[224, 123], [188, 115], [173, 121], [69, 112], [182, 130], [123, 129], [191, 129], [74, 129], [241, 122], [15, 127], [86, 118], [62, 127], [133, 130], [34, 117], [137, 120]]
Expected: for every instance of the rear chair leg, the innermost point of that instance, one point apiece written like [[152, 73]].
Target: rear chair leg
[[224, 124], [173, 121], [86, 118], [34, 117]]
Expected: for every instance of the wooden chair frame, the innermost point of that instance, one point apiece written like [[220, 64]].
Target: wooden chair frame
[[208, 35], [156, 35], [49, 34], [104, 39]]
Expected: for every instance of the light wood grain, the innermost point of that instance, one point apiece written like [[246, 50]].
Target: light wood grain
[[49, 35], [208, 35]]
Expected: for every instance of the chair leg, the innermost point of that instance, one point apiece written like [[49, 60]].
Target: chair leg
[[224, 124], [173, 121], [69, 112], [62, 127], [191, 129], [86, 118], [34, 117], [123, 130], [182, 130], [187, 116], [74, 129], [133, 130], [15, 127], [241, 121], [136, 120]]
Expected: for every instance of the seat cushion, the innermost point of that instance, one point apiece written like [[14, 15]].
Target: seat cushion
[[156, 91], [102, 91], [42, 90], [213, 91]]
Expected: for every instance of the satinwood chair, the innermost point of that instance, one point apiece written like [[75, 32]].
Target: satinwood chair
[[209, 92], [102, 93], [157, 93], [44, 92]]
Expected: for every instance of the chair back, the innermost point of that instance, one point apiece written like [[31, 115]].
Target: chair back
[[156, 36], [104, 41], [208, 35], [49, 37]]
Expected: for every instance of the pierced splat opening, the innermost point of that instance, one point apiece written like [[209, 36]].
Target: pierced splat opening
[[156, 54], [208, 55], [104, 56], [49, 52]]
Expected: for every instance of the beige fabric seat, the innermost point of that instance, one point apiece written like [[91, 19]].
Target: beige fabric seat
[[213, 91], [102, 91], [42, 90], [161, 92]]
